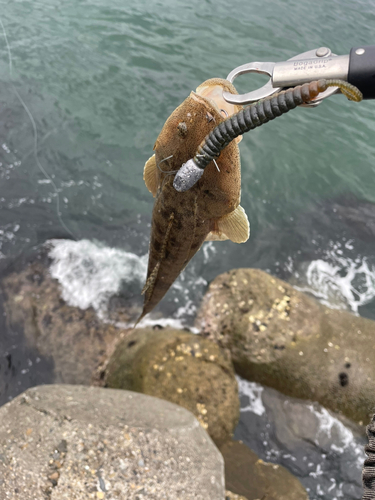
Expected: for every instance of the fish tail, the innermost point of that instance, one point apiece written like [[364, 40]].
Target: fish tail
[[139, 319], [149, 287]]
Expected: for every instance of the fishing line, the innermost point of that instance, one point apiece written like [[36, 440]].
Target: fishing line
[[46, 175], [213, 159], [8, 47], [166, 172]]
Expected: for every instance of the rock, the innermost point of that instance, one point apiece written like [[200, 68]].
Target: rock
[[282, 338], [323, 450], [248, 475], [76, 340], [232, 496], [77, 443], [183, 368]]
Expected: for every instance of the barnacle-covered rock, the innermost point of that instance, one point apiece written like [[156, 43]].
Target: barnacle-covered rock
[[282, 338], [183, 368]]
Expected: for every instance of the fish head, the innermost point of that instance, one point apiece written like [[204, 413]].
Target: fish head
[[212, 90], [180, 138]]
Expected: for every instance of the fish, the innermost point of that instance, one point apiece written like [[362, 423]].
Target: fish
[[210, 210]]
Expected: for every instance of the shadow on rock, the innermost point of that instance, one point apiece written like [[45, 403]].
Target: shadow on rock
[[248, 475], [76, 340]]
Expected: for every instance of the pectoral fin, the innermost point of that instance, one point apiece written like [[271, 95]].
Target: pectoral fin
[[234, 226], [216, 236], [150, 175]]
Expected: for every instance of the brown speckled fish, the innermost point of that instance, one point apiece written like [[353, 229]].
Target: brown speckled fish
[[210, 210]]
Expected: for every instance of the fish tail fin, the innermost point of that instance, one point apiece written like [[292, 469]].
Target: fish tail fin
[[139, 319], [148, 290]]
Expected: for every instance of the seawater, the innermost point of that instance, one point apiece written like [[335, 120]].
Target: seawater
[[98, 81], [85, 88], [326, 455]]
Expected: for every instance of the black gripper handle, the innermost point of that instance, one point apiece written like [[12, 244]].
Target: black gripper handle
[[362, 70]]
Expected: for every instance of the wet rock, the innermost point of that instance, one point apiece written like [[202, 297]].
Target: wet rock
[[21, 364], [183, 368], [247, 474], [282, 338], [77, 340], [232, 496], [323, 450], [79, 443]]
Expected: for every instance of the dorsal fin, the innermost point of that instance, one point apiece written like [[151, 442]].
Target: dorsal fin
[[150, 175]]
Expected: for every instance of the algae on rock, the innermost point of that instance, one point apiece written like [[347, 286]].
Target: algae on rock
[[246, 474], [183, 368], [282, 338]]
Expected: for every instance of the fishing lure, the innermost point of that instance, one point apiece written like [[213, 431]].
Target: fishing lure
[[249, 118]]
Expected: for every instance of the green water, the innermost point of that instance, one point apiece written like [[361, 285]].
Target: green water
[[100, 79]]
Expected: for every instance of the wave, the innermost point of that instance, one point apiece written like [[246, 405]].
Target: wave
[[90, 273], [340, 281], [324, 453]]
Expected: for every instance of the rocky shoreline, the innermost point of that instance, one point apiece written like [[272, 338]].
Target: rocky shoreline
[[250, 323], [285, 339], [76, 442]]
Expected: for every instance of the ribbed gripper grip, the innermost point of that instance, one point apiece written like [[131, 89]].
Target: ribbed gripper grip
[[248, 119], [368, 473], [251, 117]]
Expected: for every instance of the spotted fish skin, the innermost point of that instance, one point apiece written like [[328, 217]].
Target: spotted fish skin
[[181, 222]]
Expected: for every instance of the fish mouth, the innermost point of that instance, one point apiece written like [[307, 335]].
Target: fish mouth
[[212, 90]]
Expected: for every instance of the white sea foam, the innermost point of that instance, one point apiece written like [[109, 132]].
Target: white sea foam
[[339, 281], [332, 435], [253, 391], [332, 428], [209, 250], [90, 273]]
